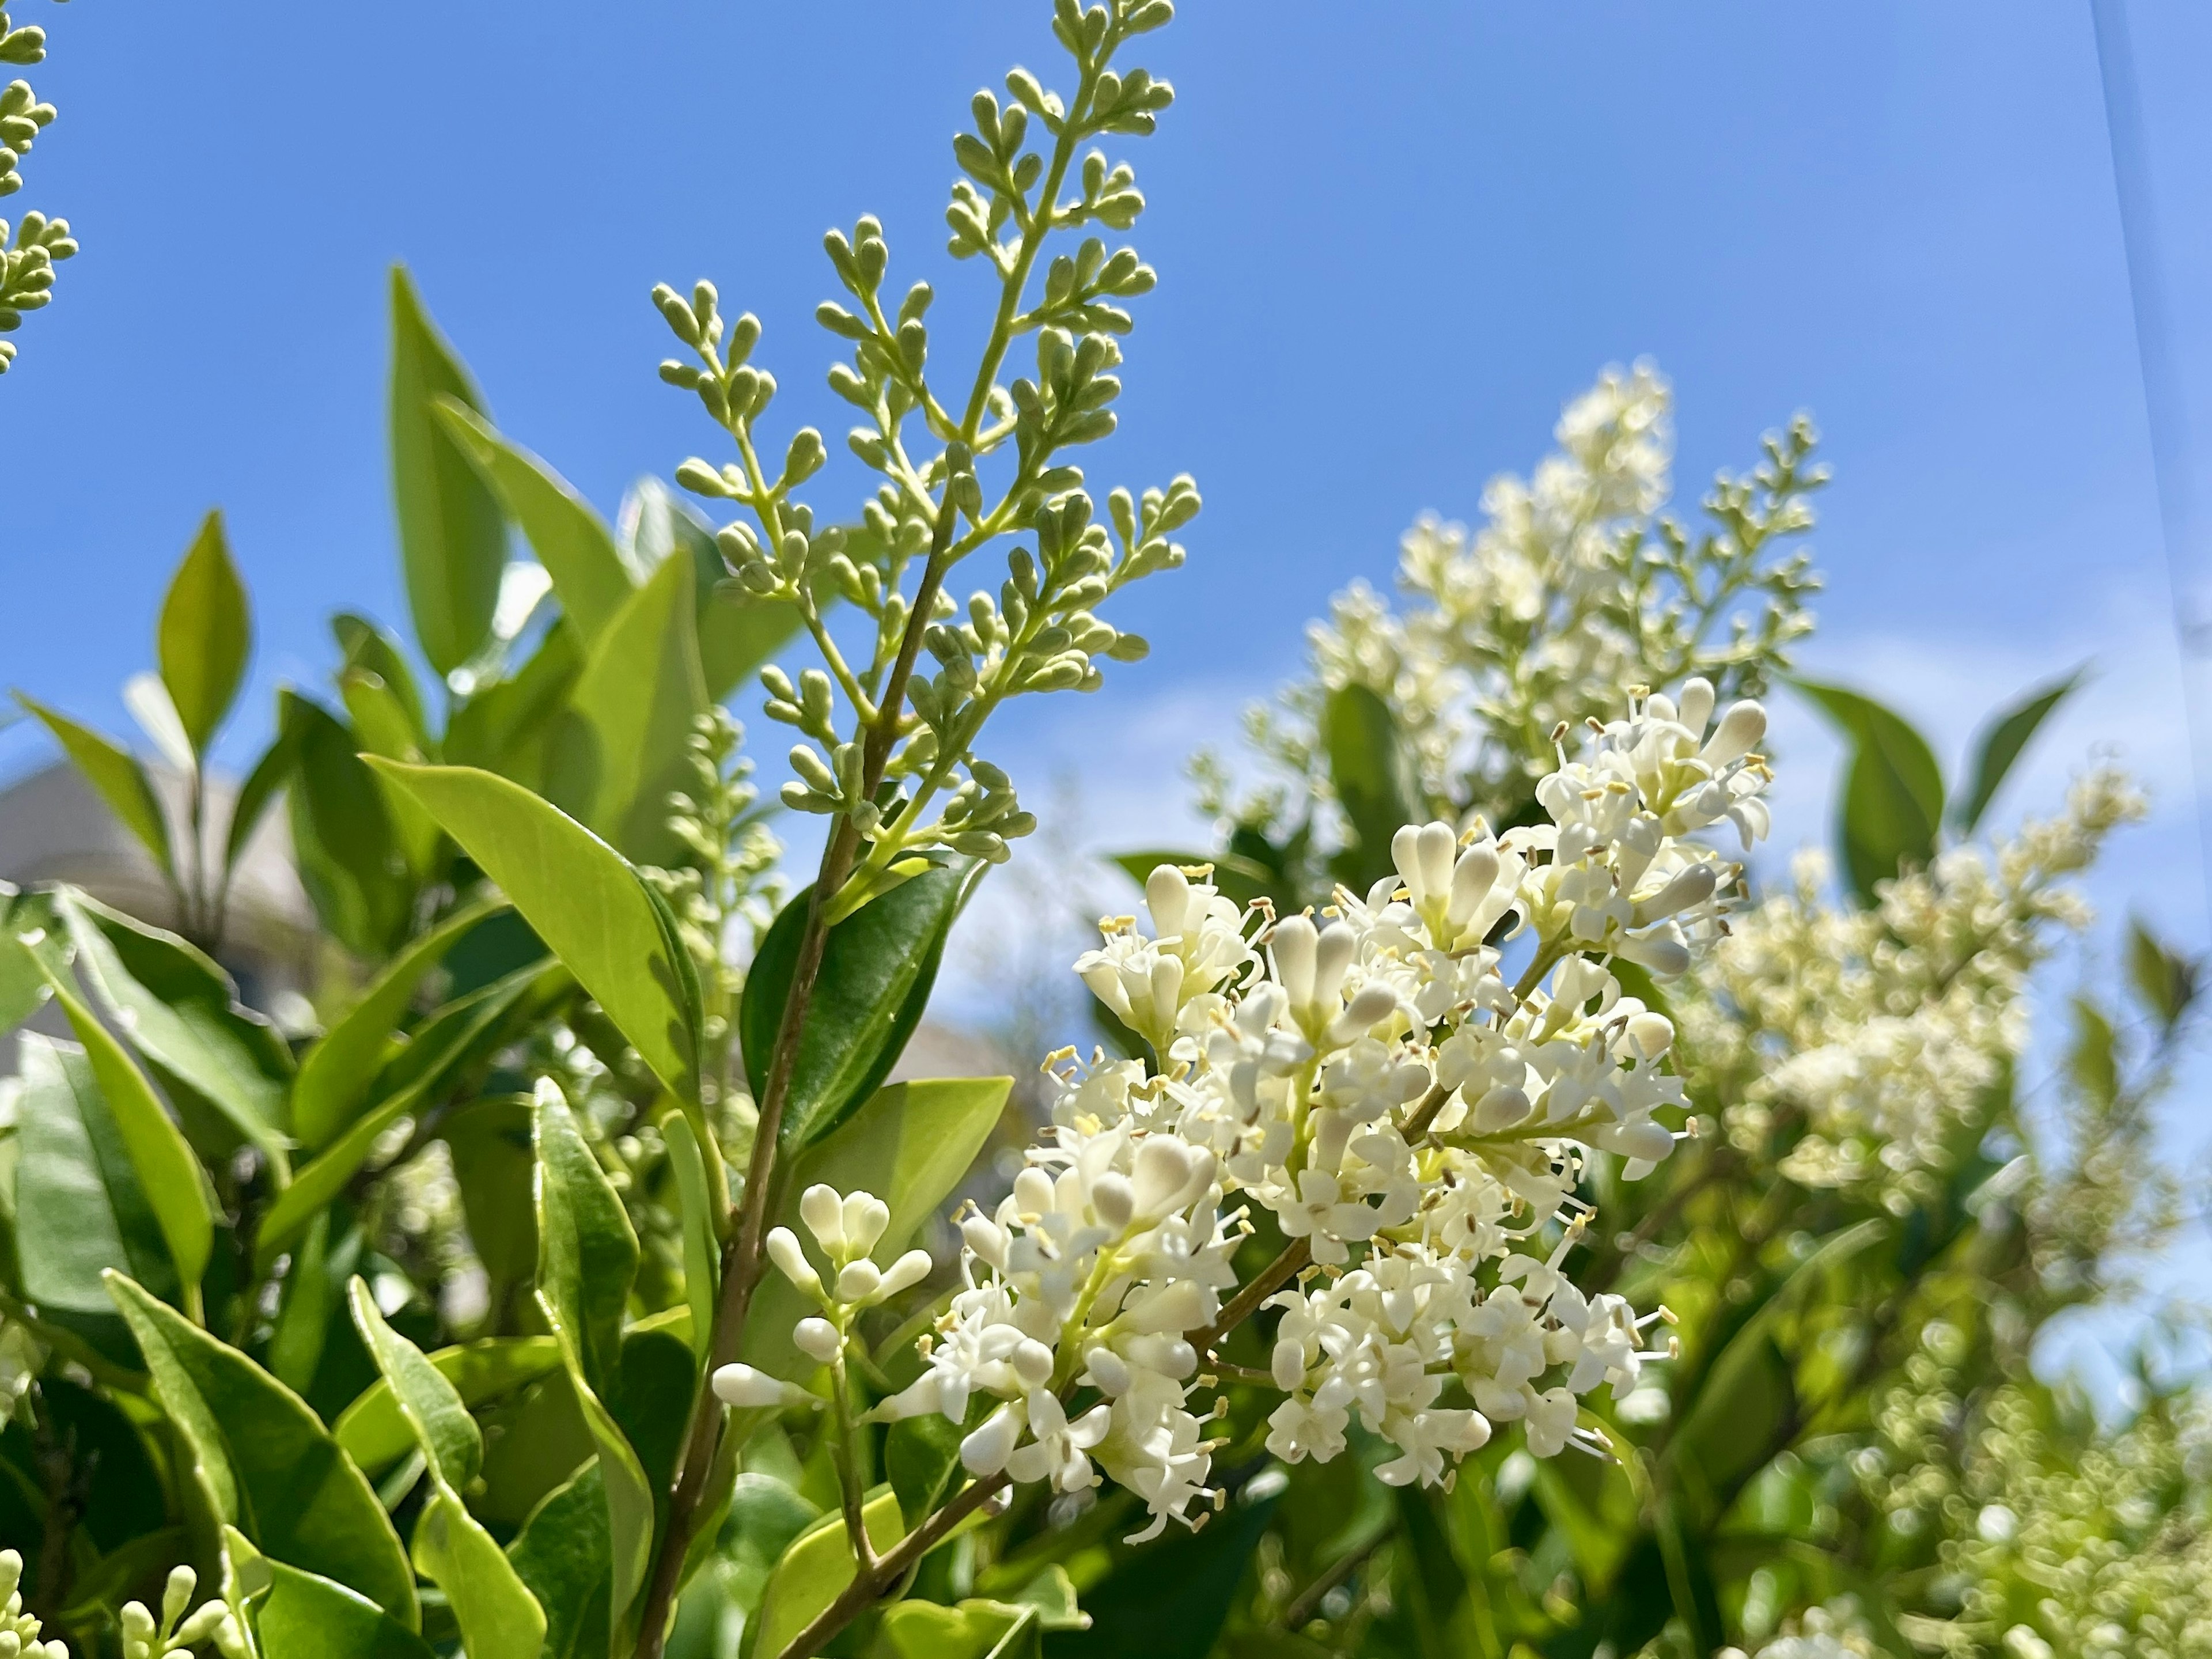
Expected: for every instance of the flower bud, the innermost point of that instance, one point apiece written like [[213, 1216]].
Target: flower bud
[[858, 1281], [1033, 1192], [1112, 1201], [1696, 705], [1032, 1362], [1295, 941], [1162, 1170], [1650, 1033], [1501, 1109], [1290, 1365], [1736, 736], [1370, 1006], [1472, 878], [1167, 896], [816, 1338], [741, 1386], [904, 1273], [865, 1216], [1108, 1372], [1692, 887], [1338, 944], [783, 1250], [986, 1238], [822, 1210]]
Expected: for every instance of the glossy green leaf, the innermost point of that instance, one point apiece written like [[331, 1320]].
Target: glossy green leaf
[[498, 1617], [562, 1555], [380, 727], [175, 1186], [919, 1453], [374, 1431], [182, 1013], [702, 1253], [510, 727], [586, 1257], [80, 1207], [739, 633], [911, 1144], [584, 901], [1239, 880], [313, 1301], [1893, 801], [639, 699], [452, 536], [205, 634], [489, 1140], [818, 1566], [303, 1615], [349, 856], [445, 1042], [1373, 777], [878, 969], [265, 1461], [338, 1071], [2001, 744], [571, 541], [115, 773]]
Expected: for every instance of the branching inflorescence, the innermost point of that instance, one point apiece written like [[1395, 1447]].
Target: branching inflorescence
[[38, 243]]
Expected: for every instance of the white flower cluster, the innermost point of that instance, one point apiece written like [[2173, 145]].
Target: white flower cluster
[[176, 1634], [1880, 1031], [1414, 1119], [19, 1630]]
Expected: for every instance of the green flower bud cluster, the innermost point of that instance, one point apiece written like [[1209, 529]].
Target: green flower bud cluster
[[38, 243], [894, 727]]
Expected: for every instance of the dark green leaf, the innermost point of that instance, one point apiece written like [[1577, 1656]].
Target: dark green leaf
[[1373, 777], [702, 1251], [366, 646], [561, 1556], [586, 1257], [584, 901], [113, 771], [660, 1377], [453, 539], [509, 727], [80, 1208], [265, 1461], [338, 1071], [255, 796], [205, 635], [493, 1165], [877, 967], [571, 541], [1893, 801], [351, 859], [2001, 744], [919, 1453], [1171, 1601], [639, 699]]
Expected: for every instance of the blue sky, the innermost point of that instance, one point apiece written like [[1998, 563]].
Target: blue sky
[[1391, 239]]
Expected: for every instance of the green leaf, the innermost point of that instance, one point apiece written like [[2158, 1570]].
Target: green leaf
[[818, 1566], [205, 634], [2002, 742], [737, 632], [116, 773], [2166, 980], [489, 1140], [368, 646], [255, 796], [1893, 801], [265, 1461], [973, 1630], [1373, 777], [498, 1617], [349, 856], [182, 1013], [562, 1555], [639, 699], [323, 1262], [168, 1174], [1239, 880], [571, 541], [1171, 1601], [584, 902], [586, 1257], [337, 1072], [919, 1453], [380, 727], [702, 1253], [374, 1431], [444, 1042], [453, 537], [877, 967], [910, 1144], [303, 1615], [80, 1207], [2093, 1060], [509, 727]]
